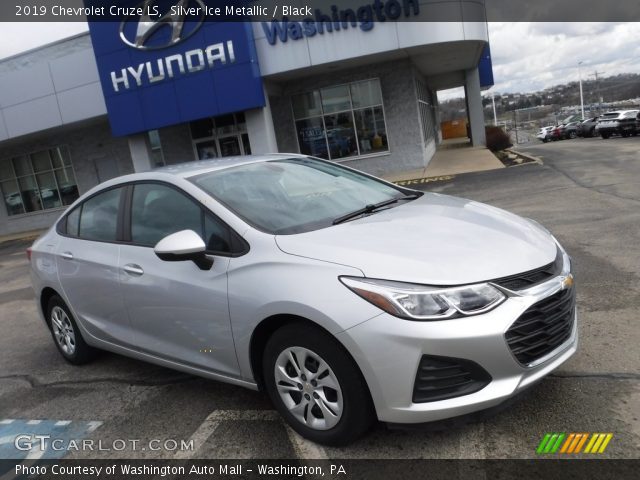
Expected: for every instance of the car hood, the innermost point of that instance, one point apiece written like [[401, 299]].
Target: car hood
[[436, 239]]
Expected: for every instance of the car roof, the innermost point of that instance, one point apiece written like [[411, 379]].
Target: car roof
[[198, 167]]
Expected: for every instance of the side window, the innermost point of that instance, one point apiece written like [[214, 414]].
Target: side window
[[158, 211], [99, 217], [73, 222]]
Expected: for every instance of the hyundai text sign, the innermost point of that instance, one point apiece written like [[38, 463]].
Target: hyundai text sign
[[163, 63]]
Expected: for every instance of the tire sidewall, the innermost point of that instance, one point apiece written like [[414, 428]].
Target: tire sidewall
[[82, 352], [357, 415]]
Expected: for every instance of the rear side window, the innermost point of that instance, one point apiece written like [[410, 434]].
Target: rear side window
[[158, 211], [99, 217], [73, 222]]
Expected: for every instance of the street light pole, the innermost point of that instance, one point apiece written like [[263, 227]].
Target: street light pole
[[495, 117], [581, 98]]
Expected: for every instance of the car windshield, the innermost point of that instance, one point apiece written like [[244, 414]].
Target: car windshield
[[287, 196]]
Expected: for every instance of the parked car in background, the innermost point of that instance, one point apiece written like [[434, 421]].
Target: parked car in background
[[587, 128], [556, 133], [569, 130], [620, 122], [346, 298], [545, 134]]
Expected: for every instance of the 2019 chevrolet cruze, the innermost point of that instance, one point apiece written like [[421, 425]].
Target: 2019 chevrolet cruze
[[345, 297]]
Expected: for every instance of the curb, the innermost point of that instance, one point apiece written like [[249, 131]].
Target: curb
[[524, 155]]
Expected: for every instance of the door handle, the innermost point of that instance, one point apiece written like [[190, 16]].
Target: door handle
[[133, 269], [67, 255]]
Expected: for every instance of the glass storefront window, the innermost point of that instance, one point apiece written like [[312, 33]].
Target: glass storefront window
[[39, 181], [335, 99], [341, 135], [307, 105], [207, 150], [366, 94], [341, 121], [372, 134], [201, 128], [312, 138]]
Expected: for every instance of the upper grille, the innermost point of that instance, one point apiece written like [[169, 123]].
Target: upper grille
[[543, 327], [528, 279], [439, 378]]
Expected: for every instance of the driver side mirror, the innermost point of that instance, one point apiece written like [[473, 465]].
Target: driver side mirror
[[181, 246]]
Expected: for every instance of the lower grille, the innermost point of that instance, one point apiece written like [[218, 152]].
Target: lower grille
[[543, 327], [440, 378]]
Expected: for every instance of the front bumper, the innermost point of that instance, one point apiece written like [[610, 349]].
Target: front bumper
[[388, 351]]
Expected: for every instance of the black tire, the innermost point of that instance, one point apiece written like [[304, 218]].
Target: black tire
[[572, 135], [82, 353], [358, 413], [605, 135]]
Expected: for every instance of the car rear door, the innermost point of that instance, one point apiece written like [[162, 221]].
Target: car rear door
[[87, 262], [178, 311]]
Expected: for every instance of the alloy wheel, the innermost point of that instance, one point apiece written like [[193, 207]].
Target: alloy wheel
[[308, 388], [63, 331]]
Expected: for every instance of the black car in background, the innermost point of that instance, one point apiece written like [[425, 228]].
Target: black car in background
[[568, 130], [587, 128]]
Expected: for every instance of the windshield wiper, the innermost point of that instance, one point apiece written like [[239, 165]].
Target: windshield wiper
[[373, 207]]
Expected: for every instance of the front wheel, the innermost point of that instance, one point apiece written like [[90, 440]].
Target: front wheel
[[316, 386]]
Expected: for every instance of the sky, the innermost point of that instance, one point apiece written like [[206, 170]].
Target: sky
[[526, 56]]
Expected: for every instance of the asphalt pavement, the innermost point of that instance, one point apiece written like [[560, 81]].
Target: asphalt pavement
[[586, 192]]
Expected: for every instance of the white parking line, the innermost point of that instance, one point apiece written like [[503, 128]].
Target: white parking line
[[304, 449], [7, 421], [206, 428], [62, 423], [34, 422]]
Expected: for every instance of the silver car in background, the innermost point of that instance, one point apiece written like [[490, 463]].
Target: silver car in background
[[344, 297]]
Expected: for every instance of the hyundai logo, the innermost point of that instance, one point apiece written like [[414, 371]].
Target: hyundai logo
[[162, 24]]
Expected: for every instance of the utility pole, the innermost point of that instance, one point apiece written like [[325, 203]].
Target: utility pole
[[581, 97], [595, 74], [495, 117]]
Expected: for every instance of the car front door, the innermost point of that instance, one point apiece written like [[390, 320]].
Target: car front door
[[87, 262], [178, 311]]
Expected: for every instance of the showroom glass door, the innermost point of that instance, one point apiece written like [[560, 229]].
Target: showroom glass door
[[223, 136]]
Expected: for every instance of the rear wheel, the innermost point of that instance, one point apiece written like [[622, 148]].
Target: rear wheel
[[316, 386], [604, 135], [66, 334], [572, 134]]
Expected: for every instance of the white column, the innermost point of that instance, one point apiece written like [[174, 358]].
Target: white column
[[474, 104], [262, 134], [140, 150]]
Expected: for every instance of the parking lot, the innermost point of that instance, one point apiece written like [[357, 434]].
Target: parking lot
[[586, 192]]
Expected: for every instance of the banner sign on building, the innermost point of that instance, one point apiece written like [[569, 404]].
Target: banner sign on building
[[165, 65]]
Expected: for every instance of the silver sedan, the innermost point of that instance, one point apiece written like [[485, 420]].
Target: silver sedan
[[346, 298]]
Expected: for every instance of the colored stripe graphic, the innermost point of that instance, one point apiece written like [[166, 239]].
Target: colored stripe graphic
[[550, 443], [598, 442], [572, 443]]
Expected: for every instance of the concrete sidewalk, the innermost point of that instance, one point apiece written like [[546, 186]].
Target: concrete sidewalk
[[22, 236], [452, 161]]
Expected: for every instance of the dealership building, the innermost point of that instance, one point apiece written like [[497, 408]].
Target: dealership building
[[131, 96]]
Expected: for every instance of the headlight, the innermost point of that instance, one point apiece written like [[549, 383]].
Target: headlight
[[421, 302]]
